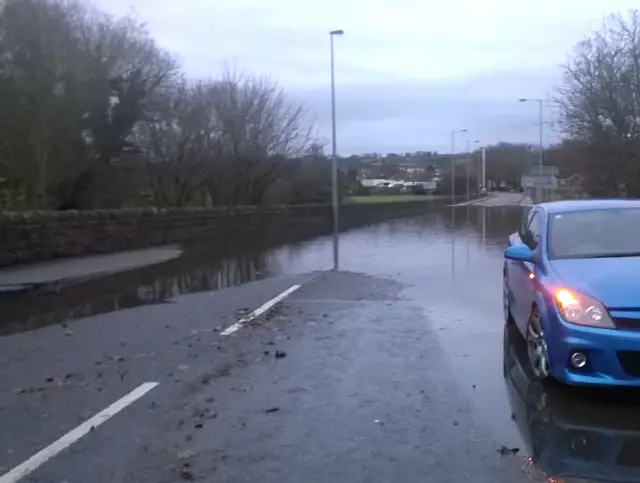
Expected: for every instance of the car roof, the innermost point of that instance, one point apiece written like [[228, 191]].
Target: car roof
[[583, 205]]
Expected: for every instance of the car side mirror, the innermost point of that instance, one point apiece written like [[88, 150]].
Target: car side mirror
[[520, 253]]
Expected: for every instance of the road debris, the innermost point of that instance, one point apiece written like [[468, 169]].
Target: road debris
[[57, 383], [186, 455], [504, 451], [186, 474]]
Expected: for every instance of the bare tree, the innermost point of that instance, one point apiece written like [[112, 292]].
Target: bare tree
[[304, 180], [125, 71], [79, 89], [508, 162], [179, 143], [73, 83], [37, 49], [600, 105], [260, 128]]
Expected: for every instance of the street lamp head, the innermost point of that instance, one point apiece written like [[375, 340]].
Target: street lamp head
[[522, 99], [336, 32], [463, 130]]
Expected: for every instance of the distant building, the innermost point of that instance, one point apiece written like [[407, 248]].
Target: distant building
[[540, 182], [377, 183], [404, 185]]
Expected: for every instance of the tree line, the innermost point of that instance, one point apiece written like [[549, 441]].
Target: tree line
[[96, 114], [599, 102]]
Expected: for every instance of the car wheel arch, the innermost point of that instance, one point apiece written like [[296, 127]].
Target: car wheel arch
[[534, 309], [542, 306]]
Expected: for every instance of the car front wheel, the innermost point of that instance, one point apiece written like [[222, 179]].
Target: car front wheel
[[537, 347]]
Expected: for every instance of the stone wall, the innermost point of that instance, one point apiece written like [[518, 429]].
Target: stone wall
[[38, 236]]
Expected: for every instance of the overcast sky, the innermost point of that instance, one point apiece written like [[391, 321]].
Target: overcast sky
[[407, 71]]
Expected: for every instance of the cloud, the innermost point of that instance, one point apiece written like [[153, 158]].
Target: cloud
[[410, 115], [407, 71]]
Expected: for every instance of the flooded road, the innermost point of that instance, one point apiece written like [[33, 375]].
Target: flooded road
[[392, 370], [200, 270]]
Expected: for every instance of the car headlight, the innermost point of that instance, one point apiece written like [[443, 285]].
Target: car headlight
[[578, 308]]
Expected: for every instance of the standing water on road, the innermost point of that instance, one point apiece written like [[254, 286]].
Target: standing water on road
[[374, 250], [392, 371]]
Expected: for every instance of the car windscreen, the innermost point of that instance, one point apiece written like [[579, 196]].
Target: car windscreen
[[596, 233]]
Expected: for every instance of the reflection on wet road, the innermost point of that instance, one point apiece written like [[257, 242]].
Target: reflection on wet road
[[448, 264], [592, 434], [198, 270]]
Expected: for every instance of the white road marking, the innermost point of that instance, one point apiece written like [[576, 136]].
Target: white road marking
[[259, 311], [74, 435]]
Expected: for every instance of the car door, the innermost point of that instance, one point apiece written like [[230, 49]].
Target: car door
[[522, 273], [513, 273]]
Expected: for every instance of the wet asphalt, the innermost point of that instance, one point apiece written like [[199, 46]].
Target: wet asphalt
[[390, 370]]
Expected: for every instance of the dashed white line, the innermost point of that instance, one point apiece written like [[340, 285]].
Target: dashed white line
[[74, 435], [260, 310]]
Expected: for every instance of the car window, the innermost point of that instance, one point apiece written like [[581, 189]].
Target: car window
[[594, 233], [532, 232]]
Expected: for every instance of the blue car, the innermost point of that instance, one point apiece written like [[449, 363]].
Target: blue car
[[572, 288]]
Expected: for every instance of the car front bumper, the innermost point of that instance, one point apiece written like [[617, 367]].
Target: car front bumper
[[613, 355]]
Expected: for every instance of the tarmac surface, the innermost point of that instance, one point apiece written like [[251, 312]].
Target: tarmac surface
[[391, 369]]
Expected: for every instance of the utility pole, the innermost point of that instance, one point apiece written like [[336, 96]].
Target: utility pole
[[453, 164], [484, 167], [468, 168], [541, 146], [334, 158]]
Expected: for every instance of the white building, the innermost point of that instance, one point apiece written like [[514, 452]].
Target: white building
[[390, 183]]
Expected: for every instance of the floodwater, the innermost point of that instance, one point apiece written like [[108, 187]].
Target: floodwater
[[435, 245], [450, 263]]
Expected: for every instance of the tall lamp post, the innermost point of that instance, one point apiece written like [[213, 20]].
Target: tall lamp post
[[541, 147], [453, 164], [334, 156], [469, 143], [483, 168]]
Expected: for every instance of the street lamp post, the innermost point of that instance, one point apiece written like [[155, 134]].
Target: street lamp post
[[483, 169], [469, 143], [541, 147], [453, 164], [334, 156]]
